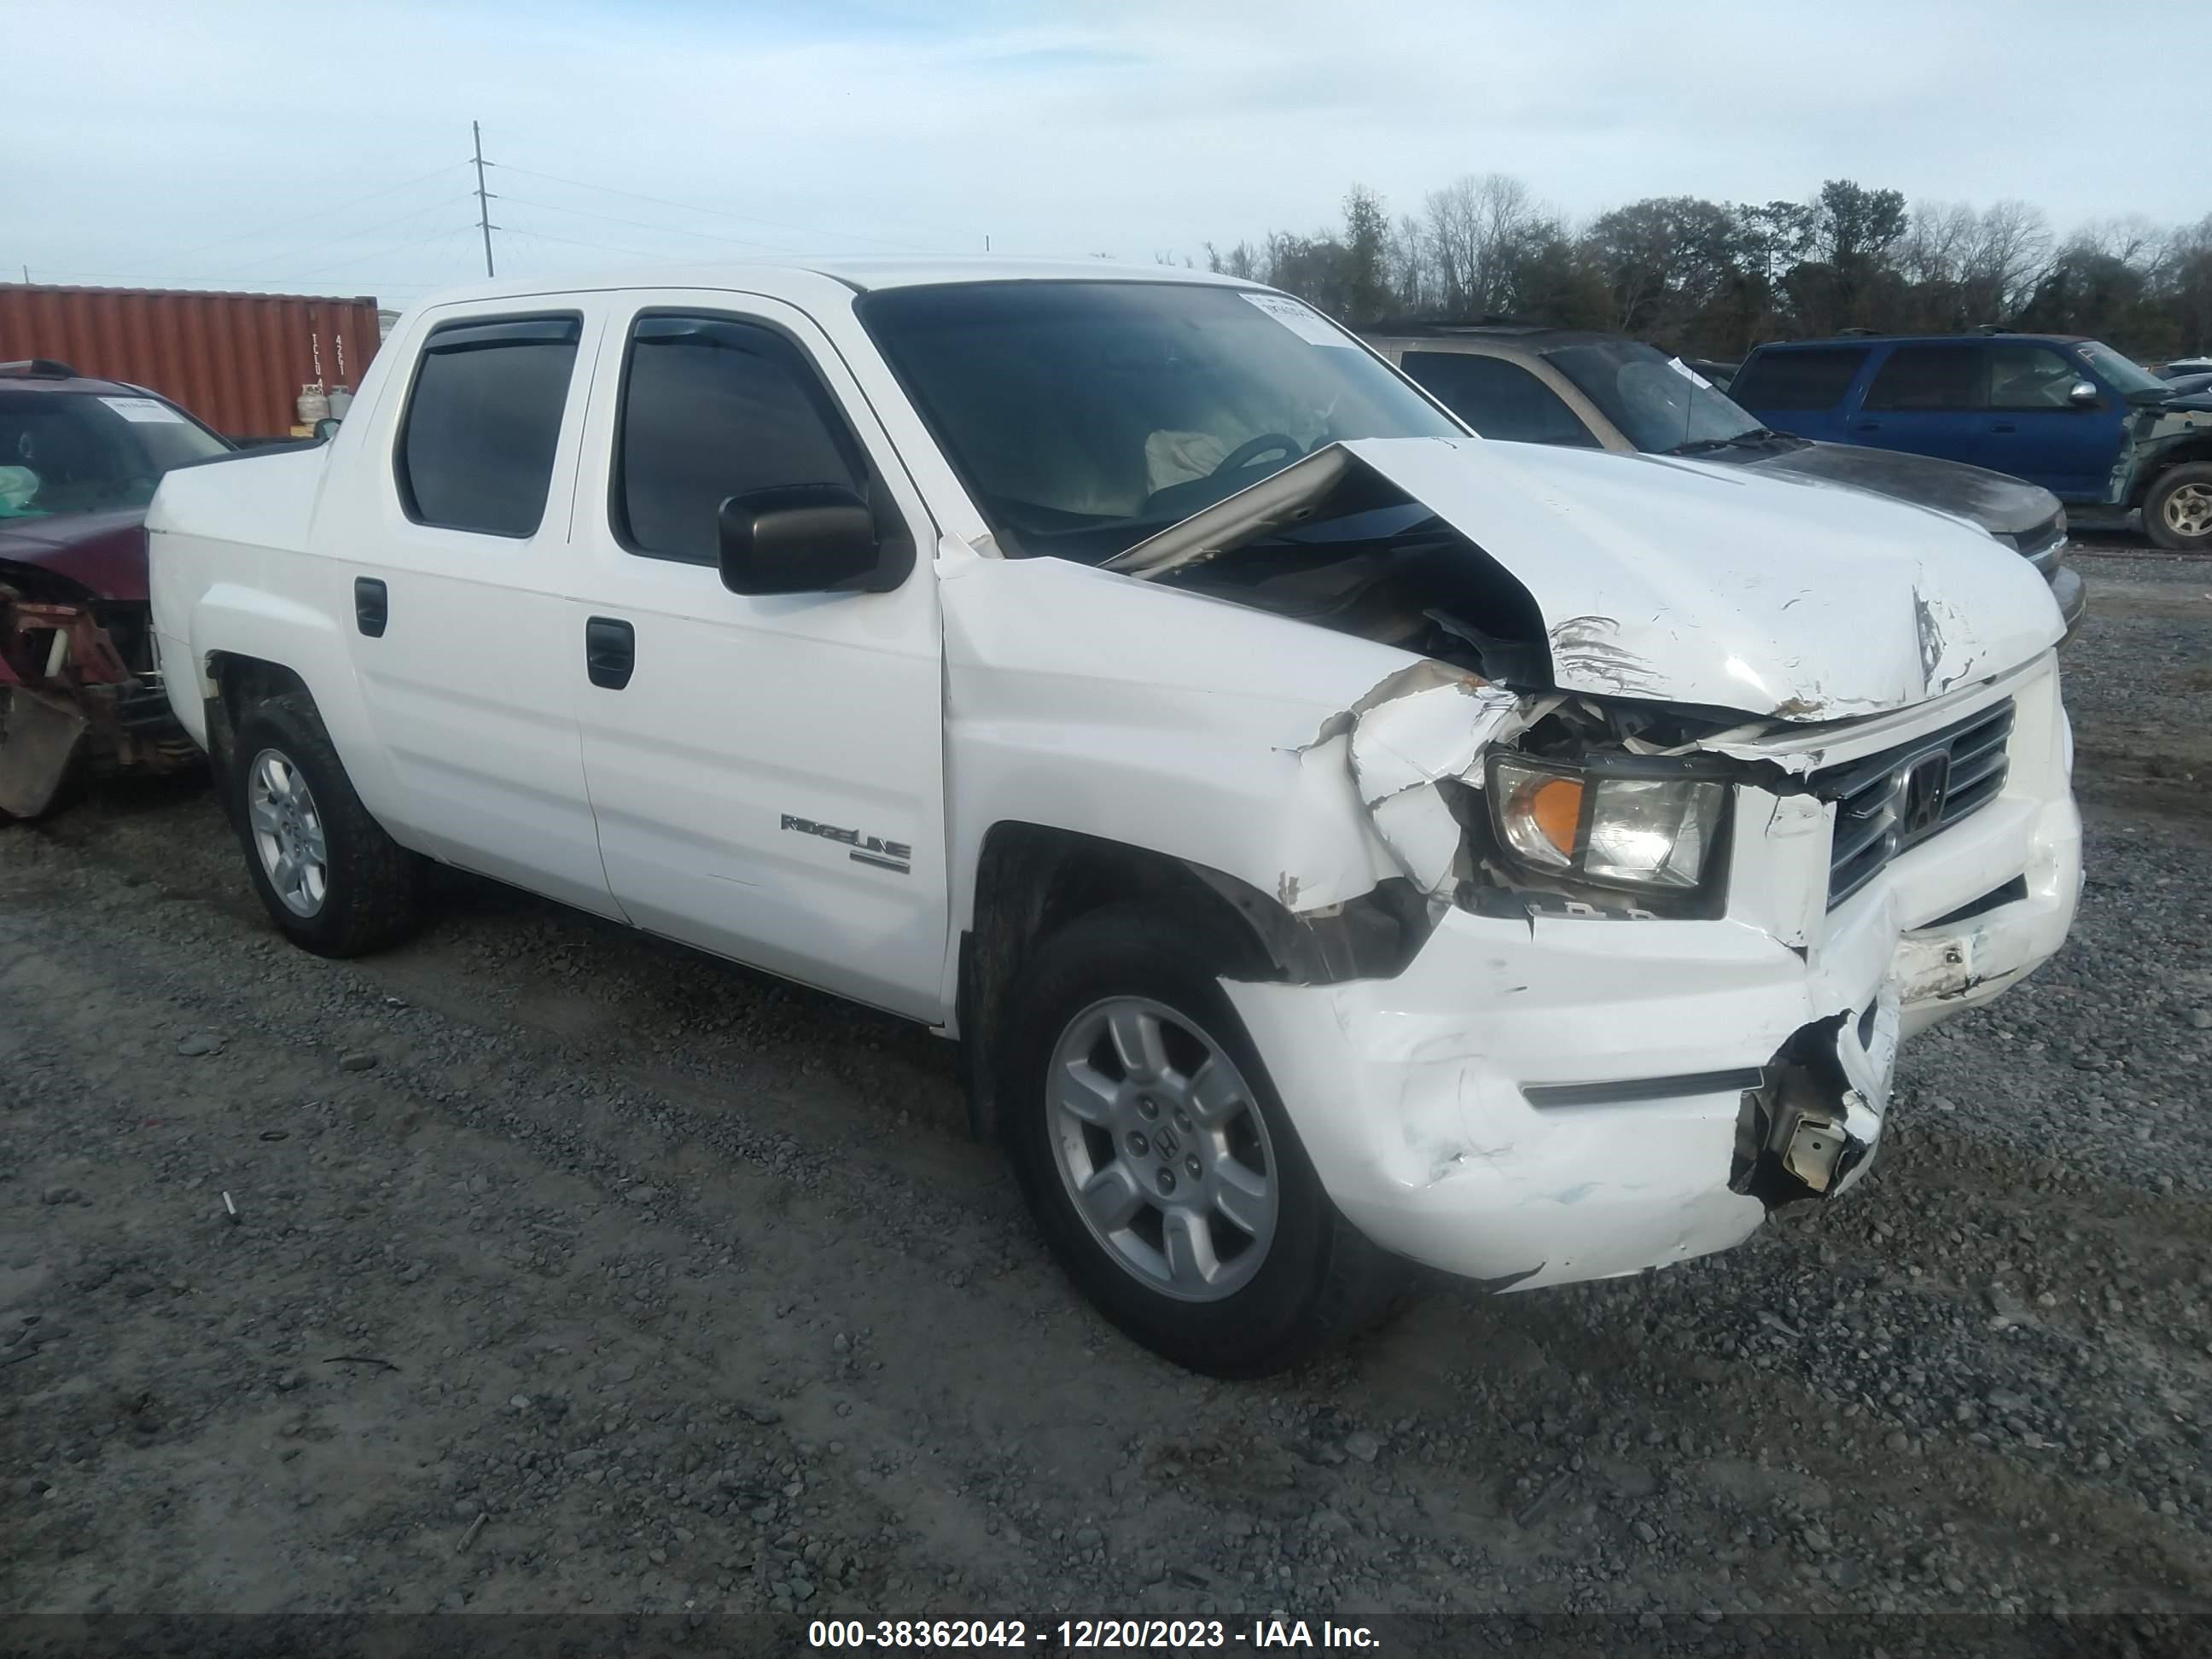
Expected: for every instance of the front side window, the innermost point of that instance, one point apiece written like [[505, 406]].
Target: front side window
[[1498, 399], [2030, 377], [1658, 403], [82, 452], [483, 422], [1084, 416], [713, 408], [1814, 379], [1931, 377]]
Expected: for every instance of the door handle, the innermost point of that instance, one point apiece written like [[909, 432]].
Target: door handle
[[370, 606], [2004, 426], [1867, 426], [609, 652]]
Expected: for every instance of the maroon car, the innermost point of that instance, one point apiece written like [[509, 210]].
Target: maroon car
[[79, 461]]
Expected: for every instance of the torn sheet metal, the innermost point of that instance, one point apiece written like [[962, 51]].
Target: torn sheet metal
[[64, 691], [1665, 579], [1425, 724]]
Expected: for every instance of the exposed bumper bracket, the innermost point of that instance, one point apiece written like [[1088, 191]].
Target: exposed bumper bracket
[[1803, 1130]]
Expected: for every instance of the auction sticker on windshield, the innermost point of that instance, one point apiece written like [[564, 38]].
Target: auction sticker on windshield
[[146, 411], [1689, 374], [1301, 320]]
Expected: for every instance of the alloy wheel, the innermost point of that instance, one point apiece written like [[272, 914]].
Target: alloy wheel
[[288, 832], [1162, 1148]]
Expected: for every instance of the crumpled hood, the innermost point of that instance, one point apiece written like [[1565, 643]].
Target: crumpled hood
[[104, 552], [2003, 506], [1690, 582]]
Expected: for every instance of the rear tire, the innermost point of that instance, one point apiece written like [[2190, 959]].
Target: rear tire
[[2178, 512], [1206, 1234], [329, 878]]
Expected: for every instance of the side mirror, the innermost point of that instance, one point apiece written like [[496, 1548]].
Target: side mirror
[[326, 429], [2082, 393], [798, 538]]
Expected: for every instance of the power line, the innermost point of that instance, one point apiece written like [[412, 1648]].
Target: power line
[[413, 214], [639, 224], [658, 255], [401, 246], [723, 213], [319, 213]]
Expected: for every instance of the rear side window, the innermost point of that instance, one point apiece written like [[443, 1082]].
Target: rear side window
[[476, 448], [1924, 377], [713, 408], [1497, 399], [1814, 378]]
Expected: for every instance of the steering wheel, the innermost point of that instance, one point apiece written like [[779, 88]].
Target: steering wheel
[[1267, 443]]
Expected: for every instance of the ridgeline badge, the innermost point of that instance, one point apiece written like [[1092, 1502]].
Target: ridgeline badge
[[866, 849]]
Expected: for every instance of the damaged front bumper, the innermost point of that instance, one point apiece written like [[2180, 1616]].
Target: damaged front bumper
[[70, 690], [1541, 1099]]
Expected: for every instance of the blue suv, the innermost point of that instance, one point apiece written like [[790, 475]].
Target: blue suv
[[2070, 414]]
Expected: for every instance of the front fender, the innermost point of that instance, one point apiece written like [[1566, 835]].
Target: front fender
[[1181, 724]]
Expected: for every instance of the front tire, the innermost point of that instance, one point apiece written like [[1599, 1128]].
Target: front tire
[[2178, 512], [1159, 1161], [329, 877]]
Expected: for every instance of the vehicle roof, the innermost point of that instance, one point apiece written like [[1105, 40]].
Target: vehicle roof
[[80, 383], [862, 276], [1967, 336], [1532, 336]]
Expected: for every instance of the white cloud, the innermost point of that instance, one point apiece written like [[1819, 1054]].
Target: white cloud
[[154, 142]]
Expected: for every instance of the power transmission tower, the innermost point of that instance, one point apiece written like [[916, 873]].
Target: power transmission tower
[[484, 200]]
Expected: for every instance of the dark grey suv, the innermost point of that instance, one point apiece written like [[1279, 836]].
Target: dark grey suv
[[1525, 384]]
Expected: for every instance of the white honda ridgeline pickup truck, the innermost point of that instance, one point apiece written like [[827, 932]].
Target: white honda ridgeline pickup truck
[[1334, 838]]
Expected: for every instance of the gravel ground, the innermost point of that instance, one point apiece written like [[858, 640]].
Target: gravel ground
[[576, 1271]]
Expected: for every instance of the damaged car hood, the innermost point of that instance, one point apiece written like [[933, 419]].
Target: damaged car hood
[[1685, 581], [104, 553]]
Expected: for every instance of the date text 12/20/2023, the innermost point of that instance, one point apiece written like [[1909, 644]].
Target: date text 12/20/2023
[[1089, 1635]]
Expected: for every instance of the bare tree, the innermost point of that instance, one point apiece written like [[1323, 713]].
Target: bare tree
[[1409, 263], [1479, 228], [1939, 238], [1715, 278], [2010, 253], [2134, 241]]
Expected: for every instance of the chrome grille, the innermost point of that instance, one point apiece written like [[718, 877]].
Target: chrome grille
[[1900, 798]]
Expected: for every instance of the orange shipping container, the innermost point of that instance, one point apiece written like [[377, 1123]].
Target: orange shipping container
[[236, 361]]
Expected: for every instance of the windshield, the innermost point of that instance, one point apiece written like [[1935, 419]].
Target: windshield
[[72, 451], [1083, 416], [1658, 402], [2120, 372]]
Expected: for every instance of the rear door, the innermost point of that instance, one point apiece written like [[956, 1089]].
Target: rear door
[[1802, 390], [447, 547], [767, 773], [1930, 399], [2036, 430]]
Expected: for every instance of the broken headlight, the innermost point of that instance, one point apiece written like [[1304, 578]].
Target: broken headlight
[[1628, 824]]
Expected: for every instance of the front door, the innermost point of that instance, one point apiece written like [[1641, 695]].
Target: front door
[[2037, 432], [767, 773]]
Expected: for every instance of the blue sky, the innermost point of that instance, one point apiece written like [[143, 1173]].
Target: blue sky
[[266, 144]]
